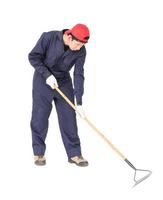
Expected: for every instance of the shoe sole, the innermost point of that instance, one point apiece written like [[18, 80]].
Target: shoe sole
[[40, 163]]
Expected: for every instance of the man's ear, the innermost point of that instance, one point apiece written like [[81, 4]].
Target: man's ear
[[69, 37]]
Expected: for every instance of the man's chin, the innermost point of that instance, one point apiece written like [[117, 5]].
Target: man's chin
[[72, 49]]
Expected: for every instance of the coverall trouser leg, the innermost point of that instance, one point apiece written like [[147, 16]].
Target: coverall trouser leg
[[39, 123], [67, 121]]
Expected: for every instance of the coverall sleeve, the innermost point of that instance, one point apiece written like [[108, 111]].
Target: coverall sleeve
[[37, 55], [79, 78]]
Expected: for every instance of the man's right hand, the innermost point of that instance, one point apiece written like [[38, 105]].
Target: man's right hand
[[51, 81]]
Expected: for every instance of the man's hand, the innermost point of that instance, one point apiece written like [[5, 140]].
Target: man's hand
[[80, 111], [51, 81]]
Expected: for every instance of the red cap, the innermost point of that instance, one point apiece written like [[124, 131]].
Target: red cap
[[80, 32]]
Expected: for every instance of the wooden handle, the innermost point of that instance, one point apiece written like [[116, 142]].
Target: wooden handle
[[64, 96], [90, 124], [104, 138]]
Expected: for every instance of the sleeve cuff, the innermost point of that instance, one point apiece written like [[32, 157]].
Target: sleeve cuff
[[79, 101], [47, 74]]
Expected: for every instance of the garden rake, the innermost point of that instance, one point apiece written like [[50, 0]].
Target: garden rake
[[139, 174]]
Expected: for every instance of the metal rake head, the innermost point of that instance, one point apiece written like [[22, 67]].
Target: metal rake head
[[140, 175]]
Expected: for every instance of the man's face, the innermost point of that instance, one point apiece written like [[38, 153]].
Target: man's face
[[75, 45]]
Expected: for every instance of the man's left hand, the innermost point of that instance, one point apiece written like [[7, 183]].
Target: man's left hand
[[80, 111]]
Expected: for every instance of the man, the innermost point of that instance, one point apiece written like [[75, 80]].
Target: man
[[54, 55]]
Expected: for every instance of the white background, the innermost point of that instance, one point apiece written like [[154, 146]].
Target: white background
[[123, 98]]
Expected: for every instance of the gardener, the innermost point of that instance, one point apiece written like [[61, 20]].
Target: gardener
[[54, 55]]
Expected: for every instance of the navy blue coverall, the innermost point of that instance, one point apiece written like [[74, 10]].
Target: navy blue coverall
[[49, 57]]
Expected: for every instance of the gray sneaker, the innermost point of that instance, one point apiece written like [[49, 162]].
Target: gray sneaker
[[79, 161], [40, 160]]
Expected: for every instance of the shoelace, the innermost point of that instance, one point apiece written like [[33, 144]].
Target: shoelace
[[40, 158]]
